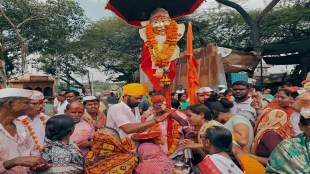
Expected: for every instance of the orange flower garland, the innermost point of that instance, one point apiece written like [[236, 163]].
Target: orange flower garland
[[34, 137], [162, 57], [173, 135]]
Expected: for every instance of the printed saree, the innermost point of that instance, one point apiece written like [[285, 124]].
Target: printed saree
[[62, 158], [110, 154], [291, 156], [275, 120]]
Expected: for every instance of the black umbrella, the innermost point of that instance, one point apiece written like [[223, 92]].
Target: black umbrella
[[134, 12]]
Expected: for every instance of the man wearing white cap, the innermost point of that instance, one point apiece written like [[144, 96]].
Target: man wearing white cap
[[35, 120], [16, 143], [203, 94], [92, 113]]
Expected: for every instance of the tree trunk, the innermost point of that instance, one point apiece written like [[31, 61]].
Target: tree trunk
[[68, 80], [77, 82], [89, 82]]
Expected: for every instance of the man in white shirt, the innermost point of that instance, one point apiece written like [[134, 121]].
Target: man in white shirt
[[62, 103], [35, 120], [16, 143], [242, 102], [125, 116], [56, 100]]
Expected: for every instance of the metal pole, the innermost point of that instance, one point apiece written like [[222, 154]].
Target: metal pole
[[57, 73], [261, 73], [92, 83]]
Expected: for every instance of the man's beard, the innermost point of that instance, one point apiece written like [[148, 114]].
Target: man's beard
[[132, 105], [240, 97]]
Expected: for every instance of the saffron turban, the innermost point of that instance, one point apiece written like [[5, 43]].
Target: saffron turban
[[158, 98], [135, 89]]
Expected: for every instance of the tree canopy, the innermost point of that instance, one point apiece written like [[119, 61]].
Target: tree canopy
[[43, 26], [113, 47], [227, 28]]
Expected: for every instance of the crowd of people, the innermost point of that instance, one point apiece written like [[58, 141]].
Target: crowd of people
[[235, 130]]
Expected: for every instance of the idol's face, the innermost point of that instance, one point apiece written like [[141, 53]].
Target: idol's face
[[160, 22]]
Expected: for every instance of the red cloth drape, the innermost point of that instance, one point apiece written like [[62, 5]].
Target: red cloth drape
[[146, 66]]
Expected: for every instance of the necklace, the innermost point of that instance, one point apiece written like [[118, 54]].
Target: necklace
[[32, 133]]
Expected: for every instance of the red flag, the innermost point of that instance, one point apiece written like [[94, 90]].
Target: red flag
[[146, 66], [192, 75]]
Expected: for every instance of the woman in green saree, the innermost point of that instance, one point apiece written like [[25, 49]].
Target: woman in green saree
[[293, 155]]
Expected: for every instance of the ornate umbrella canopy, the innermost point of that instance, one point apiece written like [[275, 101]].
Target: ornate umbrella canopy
[[134, 12]]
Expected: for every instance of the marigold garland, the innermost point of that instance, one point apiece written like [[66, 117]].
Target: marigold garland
[[34, 137], [173, 135], [162, 57]]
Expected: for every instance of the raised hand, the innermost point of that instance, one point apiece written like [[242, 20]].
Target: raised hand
[[164, 116], [256, 104]]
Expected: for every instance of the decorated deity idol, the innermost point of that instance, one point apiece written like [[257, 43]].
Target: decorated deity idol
[[161, 35]]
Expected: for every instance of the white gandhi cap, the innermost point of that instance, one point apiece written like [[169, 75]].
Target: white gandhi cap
[[204, 90], [15, 92], [89, 98]]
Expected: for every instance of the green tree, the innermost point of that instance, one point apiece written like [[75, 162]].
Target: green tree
[[34, 26], [227, 28]]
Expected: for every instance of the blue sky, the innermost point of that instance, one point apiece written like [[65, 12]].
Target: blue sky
[[94, 9]]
